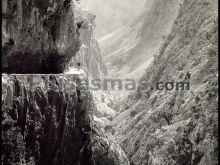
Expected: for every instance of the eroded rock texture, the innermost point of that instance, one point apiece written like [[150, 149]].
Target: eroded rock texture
[[43, 124], [48, 120], [89, 54], [39, 36]]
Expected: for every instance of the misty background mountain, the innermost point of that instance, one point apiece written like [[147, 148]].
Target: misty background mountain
[[53, 49], [111, 15]]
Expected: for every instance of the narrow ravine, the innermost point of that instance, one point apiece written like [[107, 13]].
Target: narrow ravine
[[172, 41], [57, 109]]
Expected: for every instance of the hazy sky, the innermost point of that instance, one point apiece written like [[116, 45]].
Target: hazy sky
[[112, 14]]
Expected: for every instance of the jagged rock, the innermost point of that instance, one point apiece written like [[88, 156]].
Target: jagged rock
[[38, 36], [48, 120]]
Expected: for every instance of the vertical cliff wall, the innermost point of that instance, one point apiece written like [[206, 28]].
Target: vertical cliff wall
[[89, 55], [38, 36], [47, 118]]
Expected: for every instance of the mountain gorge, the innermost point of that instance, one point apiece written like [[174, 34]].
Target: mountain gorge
[[50, 114], [178, 126], [129, 50], [48, 119]]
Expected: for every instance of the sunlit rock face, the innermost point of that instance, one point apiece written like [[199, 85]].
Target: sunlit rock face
[[177, 126], [89, 55], [48, 120], [39, 36]]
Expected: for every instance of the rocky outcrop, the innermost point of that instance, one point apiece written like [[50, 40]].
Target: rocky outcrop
[[89, 55], [45, 124], [39, 36], [48, 120], [177, 126]]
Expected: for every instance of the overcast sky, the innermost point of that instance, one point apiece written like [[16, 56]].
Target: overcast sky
[[112, 14]]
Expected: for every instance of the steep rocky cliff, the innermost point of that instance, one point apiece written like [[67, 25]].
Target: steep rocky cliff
[[48, 119], [177, 126], [40, 33], [43, 123], [89, 55]]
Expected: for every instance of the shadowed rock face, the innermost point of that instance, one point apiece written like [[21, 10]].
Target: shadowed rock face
[[48, 120], [45, 124], [38, 36]]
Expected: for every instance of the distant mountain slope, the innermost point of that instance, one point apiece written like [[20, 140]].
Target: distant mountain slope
[[129, 50], [179, 126], [112, 14]]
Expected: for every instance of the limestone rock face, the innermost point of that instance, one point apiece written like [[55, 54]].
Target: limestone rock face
[[48, 120], [39, 36], [177, 126], [89, 55]]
